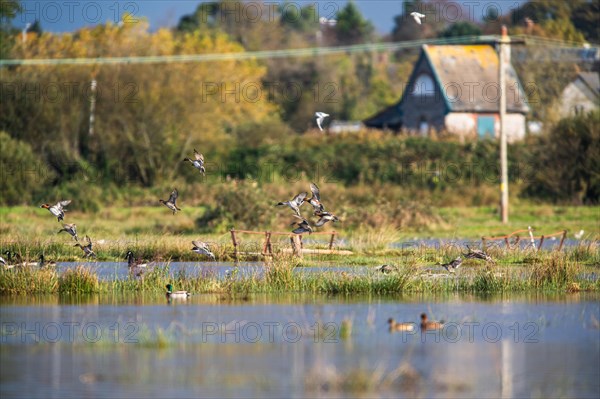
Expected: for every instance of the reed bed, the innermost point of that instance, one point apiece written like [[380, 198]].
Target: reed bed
[[519, 271]]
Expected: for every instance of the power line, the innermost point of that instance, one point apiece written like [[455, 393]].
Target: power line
[[287, 53]]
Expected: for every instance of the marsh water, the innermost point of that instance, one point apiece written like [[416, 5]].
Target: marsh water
[[298, 345]]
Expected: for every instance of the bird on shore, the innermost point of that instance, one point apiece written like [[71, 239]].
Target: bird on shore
[[87, 249], [315, 200], [325, 217], [70, 228], [176, 294], [171, 203], [385, 269], [202, 249], [197, 162], [417, 17], [320, 116], [398, 326], [477, 254], [44, 263], [133, 263], [57, 209], [294, 203], [303, 226], [579, 235], [430, 325], [453, 265]]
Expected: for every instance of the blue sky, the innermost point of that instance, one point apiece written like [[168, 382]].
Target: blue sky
[[70, 15]]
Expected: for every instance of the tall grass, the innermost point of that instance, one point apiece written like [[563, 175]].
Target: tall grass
[[545, 271]]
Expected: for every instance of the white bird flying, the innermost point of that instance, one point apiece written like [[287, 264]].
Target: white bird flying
[[320, 117], [417, 17]]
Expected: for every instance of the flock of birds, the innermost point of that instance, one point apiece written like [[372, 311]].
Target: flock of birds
[[137, 266]]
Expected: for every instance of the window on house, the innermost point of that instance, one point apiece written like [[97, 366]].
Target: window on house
[[423, 86]]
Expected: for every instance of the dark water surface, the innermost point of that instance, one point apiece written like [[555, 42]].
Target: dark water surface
[[137, 345]]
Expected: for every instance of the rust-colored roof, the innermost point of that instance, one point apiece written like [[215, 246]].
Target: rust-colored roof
[[468, 75]]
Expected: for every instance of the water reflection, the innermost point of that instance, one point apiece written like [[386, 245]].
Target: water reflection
[[291, 345]]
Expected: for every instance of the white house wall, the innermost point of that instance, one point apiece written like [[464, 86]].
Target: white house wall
[[464, 124]]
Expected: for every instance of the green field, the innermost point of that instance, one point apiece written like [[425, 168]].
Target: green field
[[154, 233]]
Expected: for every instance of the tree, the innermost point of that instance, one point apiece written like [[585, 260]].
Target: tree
[[351, 27], [461, 29], [8, 10], [585, 18], [565, 161]]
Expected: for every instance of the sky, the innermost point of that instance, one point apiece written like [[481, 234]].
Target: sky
[[70, 15]]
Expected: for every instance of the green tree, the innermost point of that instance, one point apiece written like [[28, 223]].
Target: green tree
[[461, 29], [566, 163], [352, 27]]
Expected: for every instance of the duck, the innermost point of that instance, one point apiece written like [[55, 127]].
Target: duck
[[133, 263], [202, 249], [453, 265], [197, 162], [315, 200], [477, 254], [385, 269], [325, 217], [57, 209], [176, 294], [303, 226], [70, 228], [171, 203], [398, 326], [294, 203], [87, 249], [430, 325], [44, 263], [320, 116]]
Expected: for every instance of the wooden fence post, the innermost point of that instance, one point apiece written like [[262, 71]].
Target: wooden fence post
[[235, 245], [483, 244], [331, 241], [562, 240], [541, 243]]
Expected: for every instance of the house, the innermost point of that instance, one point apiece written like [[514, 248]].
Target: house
[[581, 95], [455, 88]]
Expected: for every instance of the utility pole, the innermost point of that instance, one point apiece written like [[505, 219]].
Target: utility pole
[[93, 85], [504, 57]]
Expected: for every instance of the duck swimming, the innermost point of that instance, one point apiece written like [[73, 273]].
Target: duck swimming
[[176, 294], [397, 326], [430, 325], [57, 209], [171, 203], [197, 162]]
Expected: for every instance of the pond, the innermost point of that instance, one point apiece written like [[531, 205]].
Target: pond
[[299, 345]]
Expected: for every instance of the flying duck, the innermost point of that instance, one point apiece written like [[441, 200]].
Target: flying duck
[[70, 228], [197, 162], [57, 209], [202, 249], [171, 202], [295, 203]]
